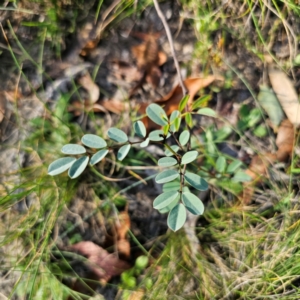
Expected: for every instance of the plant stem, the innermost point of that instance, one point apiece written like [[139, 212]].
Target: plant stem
[[169, 36]]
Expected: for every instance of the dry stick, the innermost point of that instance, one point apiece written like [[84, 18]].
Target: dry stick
[[169, 35]]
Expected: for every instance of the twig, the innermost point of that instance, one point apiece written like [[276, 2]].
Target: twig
[[169, 36]]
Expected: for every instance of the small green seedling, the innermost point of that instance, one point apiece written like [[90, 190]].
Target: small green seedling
[[177, 197]]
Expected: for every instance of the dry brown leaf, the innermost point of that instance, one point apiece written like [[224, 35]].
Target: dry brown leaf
[[124, 71], [258, 169], [286, 94], [122, 226], [137, 295], [114, 106], [2, 105], [285, 140], [148, 59], [92, 88], [193, 85]]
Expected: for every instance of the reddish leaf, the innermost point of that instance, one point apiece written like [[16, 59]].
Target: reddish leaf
[[102, 264]]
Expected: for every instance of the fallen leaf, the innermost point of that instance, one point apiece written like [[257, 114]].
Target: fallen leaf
[[271, 105], [103, 264], [193, 85], [257, 170], [122, 226], [2, 105], [125, 72], [286, 94], [148, 59], [112, 105], [91, 87], [285, 140], [137, 295], [99, 266]]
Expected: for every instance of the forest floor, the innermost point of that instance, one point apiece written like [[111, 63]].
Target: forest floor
[[68, 68]]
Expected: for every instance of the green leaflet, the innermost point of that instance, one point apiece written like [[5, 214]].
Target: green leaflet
[[177, 217], [166, 176], [193, 203], [93, 141], [164, 199], [78, 167], [117, 135], [98, 156], [123, 151], [221, 164], [60, 165], [184, 137], [139, 128], [73, 149], [189, 157], [167, 162], [157, 114], [196, 181]]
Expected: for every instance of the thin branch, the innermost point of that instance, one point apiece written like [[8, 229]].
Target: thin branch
[[169, 35]]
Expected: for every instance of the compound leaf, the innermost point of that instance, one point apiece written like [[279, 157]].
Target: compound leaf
[[193, 203], [207, 112], [188, 157], [139, 128], [177, 217], [157, 114], [184, 137], [78, 166], [73, 149], [117, 135], [196, 181], [167, 162], [60, 165], [166, 176], [221, 164], [164, 199], [123, 151], [98, 156], [93, 141]]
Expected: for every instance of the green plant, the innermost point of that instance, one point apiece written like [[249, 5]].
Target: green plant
[[179, 175], [129, 277]]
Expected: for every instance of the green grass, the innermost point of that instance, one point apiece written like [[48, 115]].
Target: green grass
[[242, 254]]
